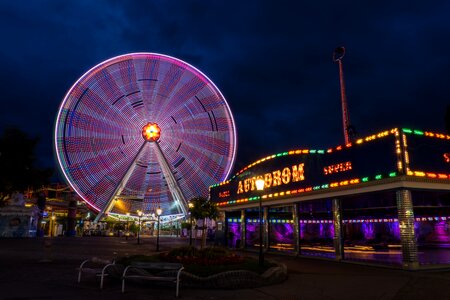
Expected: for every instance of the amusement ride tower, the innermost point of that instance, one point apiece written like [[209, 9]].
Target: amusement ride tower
[[349, 133]]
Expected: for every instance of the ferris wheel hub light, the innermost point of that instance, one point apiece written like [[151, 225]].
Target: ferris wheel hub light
[[151, 132]]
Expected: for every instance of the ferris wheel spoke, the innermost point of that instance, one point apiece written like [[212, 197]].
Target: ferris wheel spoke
[[120, 186]]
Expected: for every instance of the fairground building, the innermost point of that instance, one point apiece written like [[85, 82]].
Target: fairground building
[[383, 199]]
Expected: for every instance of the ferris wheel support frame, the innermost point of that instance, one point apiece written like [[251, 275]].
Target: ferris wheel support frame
[[110, 204], [172, 183]]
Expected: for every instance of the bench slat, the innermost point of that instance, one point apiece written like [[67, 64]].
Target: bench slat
[[143, 267], [157, 278], [157, 265]]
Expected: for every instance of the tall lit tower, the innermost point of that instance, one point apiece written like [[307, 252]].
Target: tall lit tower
[[338, 55]]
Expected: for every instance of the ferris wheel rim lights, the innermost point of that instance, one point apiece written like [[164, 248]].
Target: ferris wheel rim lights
[[89, 77]]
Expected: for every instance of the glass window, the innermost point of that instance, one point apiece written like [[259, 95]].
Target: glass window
[[370, 228], [316, 228], [281, 229]]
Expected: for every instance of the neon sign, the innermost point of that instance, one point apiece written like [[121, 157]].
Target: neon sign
[[337, 168], [224, 194], [388, 154], [287, 175]]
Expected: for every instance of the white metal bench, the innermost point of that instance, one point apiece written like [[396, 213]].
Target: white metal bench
[[153, 271], [95, 266]]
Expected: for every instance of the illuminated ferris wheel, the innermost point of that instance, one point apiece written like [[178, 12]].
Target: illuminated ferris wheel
[[141, 131]]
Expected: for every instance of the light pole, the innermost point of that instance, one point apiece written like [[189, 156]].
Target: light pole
[[260, 187], [127, 233], [52, 225], [191, 205], [139, 227], [158, 212]]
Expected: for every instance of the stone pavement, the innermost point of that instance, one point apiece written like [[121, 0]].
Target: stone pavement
[[45, 269]]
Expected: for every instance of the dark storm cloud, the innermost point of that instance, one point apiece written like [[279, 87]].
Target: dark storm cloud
[[271, 60]]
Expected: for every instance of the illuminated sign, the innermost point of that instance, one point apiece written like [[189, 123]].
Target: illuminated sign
[[384, 155], [337, 168], [224, 194], [275, 178], [300, 171], [428, 152]]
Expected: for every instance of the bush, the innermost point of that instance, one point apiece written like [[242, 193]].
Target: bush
[[203, 262], [206, 256]]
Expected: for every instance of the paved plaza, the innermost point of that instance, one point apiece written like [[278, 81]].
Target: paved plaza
[[45, 269]]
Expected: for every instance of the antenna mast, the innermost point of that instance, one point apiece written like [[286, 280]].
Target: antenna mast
[[338, 55]]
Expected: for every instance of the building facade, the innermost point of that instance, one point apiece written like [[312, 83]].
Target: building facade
[[382, 199]]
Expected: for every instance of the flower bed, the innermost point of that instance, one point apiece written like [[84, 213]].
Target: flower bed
[[218, 268], [207, 256]]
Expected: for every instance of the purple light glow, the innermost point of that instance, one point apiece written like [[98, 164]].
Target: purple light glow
[[252, 234], [234, 231], [369, 231], [433, 232], [281, 233], [313, 231]]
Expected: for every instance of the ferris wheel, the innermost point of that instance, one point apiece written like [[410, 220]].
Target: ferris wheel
[[141, 131]]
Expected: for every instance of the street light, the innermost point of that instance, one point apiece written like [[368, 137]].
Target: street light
[[127, 233], [260, 187], [52, 225], [191, 205], [139, 227], [158, 212]]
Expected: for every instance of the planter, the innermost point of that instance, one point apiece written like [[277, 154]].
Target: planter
[[236, 279]]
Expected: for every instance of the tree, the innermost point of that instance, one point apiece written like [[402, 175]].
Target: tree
[[17, 164], [203, 209]]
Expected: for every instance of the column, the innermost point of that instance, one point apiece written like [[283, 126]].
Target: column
[[243, 230], [406, 224], [266, 228], [337, 224], [296, 229]]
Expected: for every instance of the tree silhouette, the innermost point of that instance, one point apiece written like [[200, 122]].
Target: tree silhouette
[[17, 163]]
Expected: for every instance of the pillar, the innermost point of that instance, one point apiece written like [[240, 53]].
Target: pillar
[[406, 224], [296, 228], [243, 230], [337, 224], [266, 228]]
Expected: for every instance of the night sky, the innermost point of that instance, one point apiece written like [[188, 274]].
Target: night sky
[[272, 60]]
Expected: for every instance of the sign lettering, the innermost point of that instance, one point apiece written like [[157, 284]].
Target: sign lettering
[[337, 168], [224, 194], [275, 178]]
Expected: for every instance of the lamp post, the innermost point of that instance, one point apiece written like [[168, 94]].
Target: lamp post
[[191, 205], [52, 225], [260, 187], [127, 233], [139, 227], [158, 212]]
